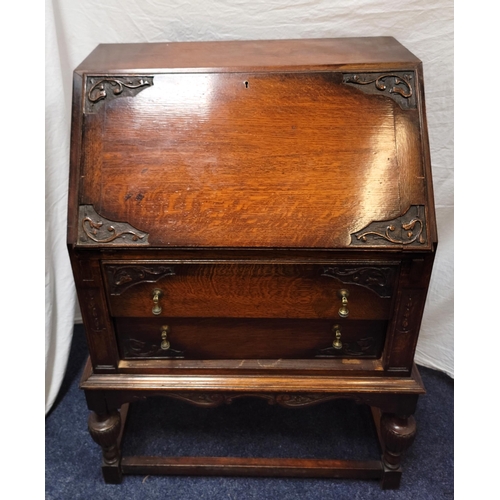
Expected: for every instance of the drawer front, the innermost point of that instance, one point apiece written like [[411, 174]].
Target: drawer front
[[249, 290], [228, 338]]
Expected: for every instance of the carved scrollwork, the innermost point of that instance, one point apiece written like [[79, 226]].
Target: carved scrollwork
[[407, 229], [378, 279], [100, 88], [210, 399], [396, 85], [133, 348], [122, 277], [213, 399], [93, 229], [360, 348], [203, 399], [302, 400]]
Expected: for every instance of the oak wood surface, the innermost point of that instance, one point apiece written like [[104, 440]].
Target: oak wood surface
[[233, 466], [249, 182], [311, 53], [223, 338], [250, 290], [324, 367], [201, 160], [262, 382]]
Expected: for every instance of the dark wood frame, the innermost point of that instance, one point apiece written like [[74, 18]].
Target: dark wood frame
[[390, 384], [392, 400]]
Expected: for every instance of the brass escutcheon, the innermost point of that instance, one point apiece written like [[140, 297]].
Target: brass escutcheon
[[337, 344], [343, 311], [157, 293], [165, 344]]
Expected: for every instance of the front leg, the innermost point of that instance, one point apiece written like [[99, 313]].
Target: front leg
[[105, 431], [397, 434]]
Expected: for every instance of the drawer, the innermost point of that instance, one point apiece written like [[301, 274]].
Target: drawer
[[250, 338], [248, 290]]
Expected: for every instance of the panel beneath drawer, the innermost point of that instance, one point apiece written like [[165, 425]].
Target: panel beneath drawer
[[228, 338], [248, 290]]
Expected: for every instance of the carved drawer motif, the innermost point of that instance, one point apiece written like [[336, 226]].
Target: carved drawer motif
[[250, 338], [251, 290]]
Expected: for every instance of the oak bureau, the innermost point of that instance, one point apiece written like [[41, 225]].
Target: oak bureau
[[252, 218]]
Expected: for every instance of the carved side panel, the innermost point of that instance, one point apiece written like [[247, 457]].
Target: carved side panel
[[405, 329], [93, 229], [398, 86], [409, 312], [92, 311], [378, 279], [408, 229], [121, 278], [98, 327], [99, 332], [104, 88]]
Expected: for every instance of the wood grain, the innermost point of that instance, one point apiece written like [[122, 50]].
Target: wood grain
[[202, 160], [248, 290], [208, 338], [233, 466], [250, 165], [230, 55]]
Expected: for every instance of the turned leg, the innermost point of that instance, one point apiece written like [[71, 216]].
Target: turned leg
[[397, 434], [105, 431]]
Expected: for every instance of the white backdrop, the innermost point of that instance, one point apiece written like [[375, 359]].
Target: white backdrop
[[74, 28]]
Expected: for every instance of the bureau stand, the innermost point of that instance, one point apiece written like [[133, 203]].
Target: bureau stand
[[392, 416], [252, 219]]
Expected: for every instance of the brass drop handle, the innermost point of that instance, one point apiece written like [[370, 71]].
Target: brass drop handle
[[157, 293], [165, 344], [337, 343], [343, 311]]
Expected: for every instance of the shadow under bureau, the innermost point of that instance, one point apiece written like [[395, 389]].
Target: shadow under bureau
[[252, 218]]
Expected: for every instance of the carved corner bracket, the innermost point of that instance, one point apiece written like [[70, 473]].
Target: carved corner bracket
[[407, 229], [396, 85], [100, 88], [93, 229]]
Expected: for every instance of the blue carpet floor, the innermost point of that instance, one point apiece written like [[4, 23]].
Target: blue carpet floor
[[247, 427]]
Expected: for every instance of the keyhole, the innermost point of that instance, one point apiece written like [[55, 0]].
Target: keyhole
[[246, 84]]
